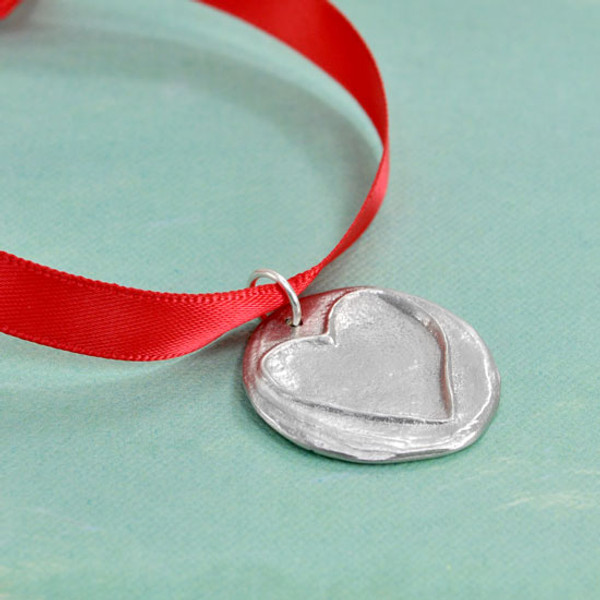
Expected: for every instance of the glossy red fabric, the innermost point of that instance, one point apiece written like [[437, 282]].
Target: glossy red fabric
[[73, 313], [6, 6]]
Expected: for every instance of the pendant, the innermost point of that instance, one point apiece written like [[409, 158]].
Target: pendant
[[370, 375]]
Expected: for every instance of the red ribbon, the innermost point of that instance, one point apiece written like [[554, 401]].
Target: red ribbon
[[73, 313], [6, 6]]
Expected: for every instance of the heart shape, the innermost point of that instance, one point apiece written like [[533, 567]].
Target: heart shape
[[380, 357]]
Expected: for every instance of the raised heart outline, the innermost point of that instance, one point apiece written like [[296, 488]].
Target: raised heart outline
[[329, 337]]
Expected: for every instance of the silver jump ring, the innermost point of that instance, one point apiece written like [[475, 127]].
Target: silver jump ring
[[285, 284]]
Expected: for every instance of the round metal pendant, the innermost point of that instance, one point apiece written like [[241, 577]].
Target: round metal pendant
[[372, 375]]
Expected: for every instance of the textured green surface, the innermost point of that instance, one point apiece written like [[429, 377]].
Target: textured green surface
[[162, 145]]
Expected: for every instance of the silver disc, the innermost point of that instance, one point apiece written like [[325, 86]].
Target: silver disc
[[372, 375]]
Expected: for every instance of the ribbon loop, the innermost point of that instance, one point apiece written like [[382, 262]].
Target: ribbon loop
[[80, 315]]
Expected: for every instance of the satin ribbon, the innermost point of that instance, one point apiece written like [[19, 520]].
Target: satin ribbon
[[80, 315]]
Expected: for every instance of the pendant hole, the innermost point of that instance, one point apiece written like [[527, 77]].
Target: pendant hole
[[291, 324]]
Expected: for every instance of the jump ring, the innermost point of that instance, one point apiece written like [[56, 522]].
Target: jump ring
[[285, 284]]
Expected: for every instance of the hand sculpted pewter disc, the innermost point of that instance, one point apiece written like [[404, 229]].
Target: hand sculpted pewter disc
[[372, 375]]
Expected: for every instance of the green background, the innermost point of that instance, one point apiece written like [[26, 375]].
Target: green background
[[165, 146]]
